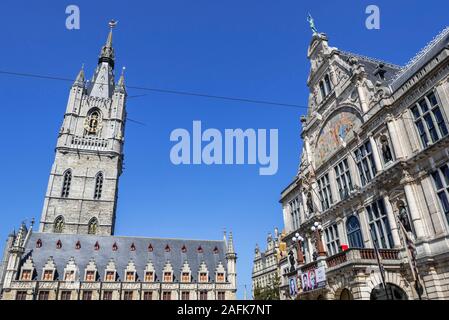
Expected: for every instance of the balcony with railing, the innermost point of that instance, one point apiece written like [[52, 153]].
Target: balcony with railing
[[363, 257]]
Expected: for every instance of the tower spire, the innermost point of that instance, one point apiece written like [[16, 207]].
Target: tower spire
[[107, 51], [80, 78]]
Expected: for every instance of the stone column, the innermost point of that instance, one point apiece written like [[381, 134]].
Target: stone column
[[392, 222], [395, 141], [376, 155], [362, 96], [415, 213]]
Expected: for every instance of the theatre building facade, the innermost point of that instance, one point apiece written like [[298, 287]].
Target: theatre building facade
[[369, 207]]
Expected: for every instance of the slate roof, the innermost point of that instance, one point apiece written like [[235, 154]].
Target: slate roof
[[371, 64], [432, 49], [213, 252]]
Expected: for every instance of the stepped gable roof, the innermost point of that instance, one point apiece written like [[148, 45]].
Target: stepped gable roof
[[137, 249]]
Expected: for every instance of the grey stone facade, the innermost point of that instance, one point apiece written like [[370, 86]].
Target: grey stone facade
[[375, 157]]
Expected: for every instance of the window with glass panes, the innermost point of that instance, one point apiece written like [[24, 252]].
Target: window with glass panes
[[185, 295], [148, 295], [69, 275], [66, 295], [203, 295], [324, 189], [203, 277], [379, 225], [167, 277], [130, 276], [332, 239], [26, 274], [110, 276], [365, 162], [21, 295], [429, 120], [43, 295], [166, 295], [294, 211], [48, 275], [185, 277], [220, 295], [128, 295], [87, 295], [343, 178], [441, 181], [90, 275], [107, 295]]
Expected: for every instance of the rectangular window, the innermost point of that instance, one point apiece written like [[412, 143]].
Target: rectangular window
[[441, 182], [332, 239], [110, 276], [43, 295], [167, 277], [48, 275], [220, 277], [166, 295], [429, 120], [69, 275], [203, 277], [185, 277], [87, 295], [203, 295], [90, 275], [107, 295], [21, 295], [295, 213], [220, 295], [324, 190], [148, 295], [343, 178], [149, 276], [66, 295], [379, 225], [365, 162], [128, 295], [26, 275], [130, 276], [185, 295]]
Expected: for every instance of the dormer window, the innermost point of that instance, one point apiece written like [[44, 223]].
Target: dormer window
[[69, 275], [26, 275], [149, 276], [203, 277], [90, 275], [48, 275], [130, 276], [110, 276], [220, 277], [185, 277], [168, 277]]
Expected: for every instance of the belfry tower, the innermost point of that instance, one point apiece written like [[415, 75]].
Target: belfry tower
[[82, 190]]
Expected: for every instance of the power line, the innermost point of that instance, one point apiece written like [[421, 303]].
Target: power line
[[167, 91]]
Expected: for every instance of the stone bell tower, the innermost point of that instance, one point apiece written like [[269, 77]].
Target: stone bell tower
[[82, 190]]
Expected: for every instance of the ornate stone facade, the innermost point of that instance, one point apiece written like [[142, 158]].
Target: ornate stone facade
[[75, 255], [266, 263], [374, 173]]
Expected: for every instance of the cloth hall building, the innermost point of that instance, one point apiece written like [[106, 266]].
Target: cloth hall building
[[75, 254], [373, 174]]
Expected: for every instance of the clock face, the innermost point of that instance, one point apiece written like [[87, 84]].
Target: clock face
[[93, 123]]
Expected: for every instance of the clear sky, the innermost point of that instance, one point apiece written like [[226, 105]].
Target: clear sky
[[251, 49]]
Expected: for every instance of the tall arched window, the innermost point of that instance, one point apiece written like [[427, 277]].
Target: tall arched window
[[67, 181], [354, 233], [327, 84], [92, 226], [58, 226], [98, 186]]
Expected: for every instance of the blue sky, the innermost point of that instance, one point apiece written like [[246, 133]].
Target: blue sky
[[251, 49]]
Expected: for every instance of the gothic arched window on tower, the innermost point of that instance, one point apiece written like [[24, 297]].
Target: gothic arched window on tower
[[67, 181], [58, 225], [98, 186], [93, 226]]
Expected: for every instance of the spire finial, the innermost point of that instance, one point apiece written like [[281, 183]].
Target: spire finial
[[107, 52], [312, 24]]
